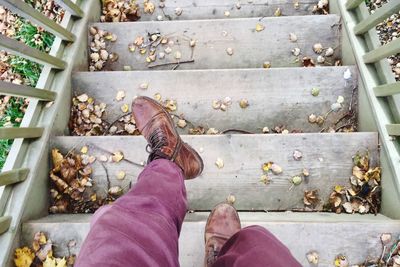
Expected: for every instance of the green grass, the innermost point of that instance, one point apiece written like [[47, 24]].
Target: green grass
[[11, 114]]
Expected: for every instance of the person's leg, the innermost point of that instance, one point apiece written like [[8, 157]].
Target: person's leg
[[255, 246], [142, 227]]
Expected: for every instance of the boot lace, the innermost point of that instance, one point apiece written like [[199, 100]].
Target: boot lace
[[157, 140]]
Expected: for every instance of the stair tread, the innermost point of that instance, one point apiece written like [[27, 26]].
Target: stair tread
[[328, 234], [263, 89], [215, 9], [214, 37], [328, 157]]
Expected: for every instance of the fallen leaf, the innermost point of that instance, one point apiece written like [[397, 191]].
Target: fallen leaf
[[278, 12], [341, 261], [181, 123], [84, 149], [318, 48], [178, 11], [348, 207], [265, 179], [231, 199], [305, 172], [296, 180], [266, 65], [229, 51], [148, 7], [121, 175], [267, 166], [115, 191], [297, 155], [244, 103], [83, 97], [315, 91], [311, 198], [23, 257], [265, 130], [220, 163], [312, 257], [120, 95], [57, 158], [125, 108], [276, 169], [212, 131], [292, 37], [308, 62], [117, 156], [259, 27]]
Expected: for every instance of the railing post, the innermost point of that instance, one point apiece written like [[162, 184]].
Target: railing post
[[71, 7]]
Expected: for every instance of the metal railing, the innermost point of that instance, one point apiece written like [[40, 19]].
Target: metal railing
[[379, 81], [11, 176]]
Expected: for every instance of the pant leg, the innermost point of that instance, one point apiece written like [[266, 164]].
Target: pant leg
[[142, 227], [256, 247]]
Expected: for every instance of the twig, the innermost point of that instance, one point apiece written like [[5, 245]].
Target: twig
[[114, 122], [236, 130], [170, 63]]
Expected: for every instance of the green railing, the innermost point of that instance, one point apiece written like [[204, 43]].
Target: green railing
[[13, 171], [380, 85]]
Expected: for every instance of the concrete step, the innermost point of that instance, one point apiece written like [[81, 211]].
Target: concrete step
[[328, 157], [213, 38], [277, 97], [216, 9], [357, 237]]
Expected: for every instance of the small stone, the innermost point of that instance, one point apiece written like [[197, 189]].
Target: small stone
[[229, 51]]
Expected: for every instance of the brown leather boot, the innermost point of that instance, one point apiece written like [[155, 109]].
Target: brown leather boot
[[157, 126], [222, 224]]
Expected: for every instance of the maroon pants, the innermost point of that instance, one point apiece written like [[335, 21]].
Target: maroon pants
[[142, 229]]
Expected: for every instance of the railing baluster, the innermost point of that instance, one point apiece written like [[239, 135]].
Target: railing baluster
[[5, 223], [8, 88], [20, 132], [352, 4], [387, 89], [382, 52], [23, 9], [13, 176], [393, 129], [382, 13], [71, 7], [20, 49]]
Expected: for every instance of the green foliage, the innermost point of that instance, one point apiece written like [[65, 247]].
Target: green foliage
[[11, 114], [29, 70], [33, 36]]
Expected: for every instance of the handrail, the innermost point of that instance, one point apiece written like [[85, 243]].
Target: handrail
[[379, 82], [20, 132], [22, 8], [13, 176], [382, 13], [8, 88], [25, 51]]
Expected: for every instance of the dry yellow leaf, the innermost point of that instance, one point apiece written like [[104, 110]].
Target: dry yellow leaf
[[54, 262], [117, 156], [220, 163], [57, 158], [148, 7], [125, 108], [265, 179], [84, 149], [23, 257], [260, 27], [121, 175], [267, 166], [338, 188]]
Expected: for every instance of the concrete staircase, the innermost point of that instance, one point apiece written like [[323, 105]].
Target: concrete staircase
[[280, 95]]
